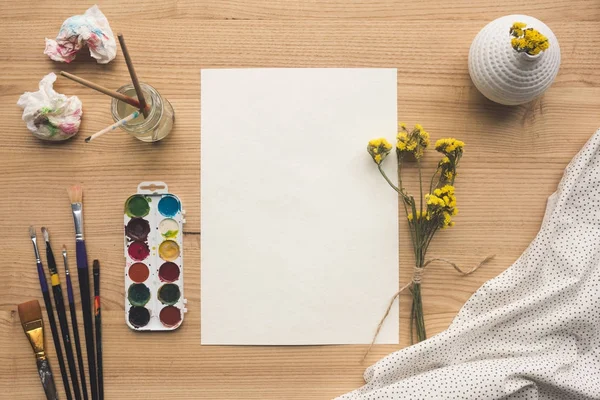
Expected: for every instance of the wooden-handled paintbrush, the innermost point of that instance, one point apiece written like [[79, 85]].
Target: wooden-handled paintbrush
[[48, 304], [74, 324], [112, 93], [83, 274], [133, 75], [59, 302], [30, 315]]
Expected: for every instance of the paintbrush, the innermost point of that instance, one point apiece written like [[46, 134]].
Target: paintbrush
[[59, 302], [74, 324], [83, 274], [112, 93], [46, 294], [30, 315], [97, 309], [133, 75], [114, 126]]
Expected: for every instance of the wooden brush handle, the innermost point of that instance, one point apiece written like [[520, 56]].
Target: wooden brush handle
[[47, 378]]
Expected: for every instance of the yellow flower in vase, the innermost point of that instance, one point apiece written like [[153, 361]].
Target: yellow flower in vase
[[527, 40]]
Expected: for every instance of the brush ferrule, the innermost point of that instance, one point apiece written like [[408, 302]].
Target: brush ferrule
[[77, 209], [66, 262], [35, 333], [38, 259]]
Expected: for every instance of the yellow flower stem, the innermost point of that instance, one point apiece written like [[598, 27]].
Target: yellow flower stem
[[388, 179], [432, 179], [405, 201], [412, 322], [419, 318], [416, 223], [420, 186]]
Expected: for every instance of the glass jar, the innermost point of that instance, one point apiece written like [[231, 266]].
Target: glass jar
[[159, 122]]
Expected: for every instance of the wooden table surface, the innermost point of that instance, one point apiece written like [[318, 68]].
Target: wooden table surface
[[514, 159]]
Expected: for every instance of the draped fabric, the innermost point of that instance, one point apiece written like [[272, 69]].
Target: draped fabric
[[533, 332]]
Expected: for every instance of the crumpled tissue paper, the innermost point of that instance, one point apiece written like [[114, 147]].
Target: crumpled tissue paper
[[50, 115], [91, 29]]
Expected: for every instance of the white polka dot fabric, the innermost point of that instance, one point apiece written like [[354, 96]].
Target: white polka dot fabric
[[533, 332]]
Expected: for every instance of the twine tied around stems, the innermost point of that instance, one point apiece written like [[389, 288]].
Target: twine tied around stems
[[416, 279]]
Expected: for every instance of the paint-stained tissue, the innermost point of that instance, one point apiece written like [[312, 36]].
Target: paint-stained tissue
[[50, 115], [91, 29]]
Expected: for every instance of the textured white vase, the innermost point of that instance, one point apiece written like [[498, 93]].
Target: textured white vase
[[505, 76]]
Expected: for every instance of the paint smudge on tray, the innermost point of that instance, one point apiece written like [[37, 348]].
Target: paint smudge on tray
[[169, 228]]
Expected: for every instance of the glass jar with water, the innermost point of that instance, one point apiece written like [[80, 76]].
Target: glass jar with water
[[159, 122]]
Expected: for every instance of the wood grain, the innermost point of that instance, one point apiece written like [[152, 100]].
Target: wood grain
[[514, 159]]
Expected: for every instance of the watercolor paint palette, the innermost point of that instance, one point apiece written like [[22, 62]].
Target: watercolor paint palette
[[153, 223]]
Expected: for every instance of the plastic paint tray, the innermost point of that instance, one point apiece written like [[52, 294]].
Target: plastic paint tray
[[154, 219]]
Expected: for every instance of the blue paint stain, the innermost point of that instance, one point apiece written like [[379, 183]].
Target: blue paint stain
[[169, 206]]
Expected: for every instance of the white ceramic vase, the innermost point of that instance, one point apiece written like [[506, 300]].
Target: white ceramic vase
[[505, 76]]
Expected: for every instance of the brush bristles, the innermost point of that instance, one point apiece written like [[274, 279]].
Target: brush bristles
[[29, 311], [32, 232], [96, 264], [75, 194], [45, 233]]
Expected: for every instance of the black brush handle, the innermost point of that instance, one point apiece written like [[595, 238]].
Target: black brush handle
[[46, 378], [64, 328], [98, 321], [56, 340], [59, 302], [83, 275], [77, 346]]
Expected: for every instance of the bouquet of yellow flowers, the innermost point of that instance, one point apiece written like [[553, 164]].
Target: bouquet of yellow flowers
[[527, 40], [427, 213]]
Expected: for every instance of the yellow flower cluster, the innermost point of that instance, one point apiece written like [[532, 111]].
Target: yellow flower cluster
[[528, 40], [414, 142], [441, 206], [449, 146], [379, 149], [420, 215], [452, 150], [516, 29]]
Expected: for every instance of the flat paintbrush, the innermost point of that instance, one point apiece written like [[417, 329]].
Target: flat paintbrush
[[83, 274], [98, 315], [30, 315], [74, 324], [59, 302], [48, 303]]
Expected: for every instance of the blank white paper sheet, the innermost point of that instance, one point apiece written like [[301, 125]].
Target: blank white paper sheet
[[299, 235]]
